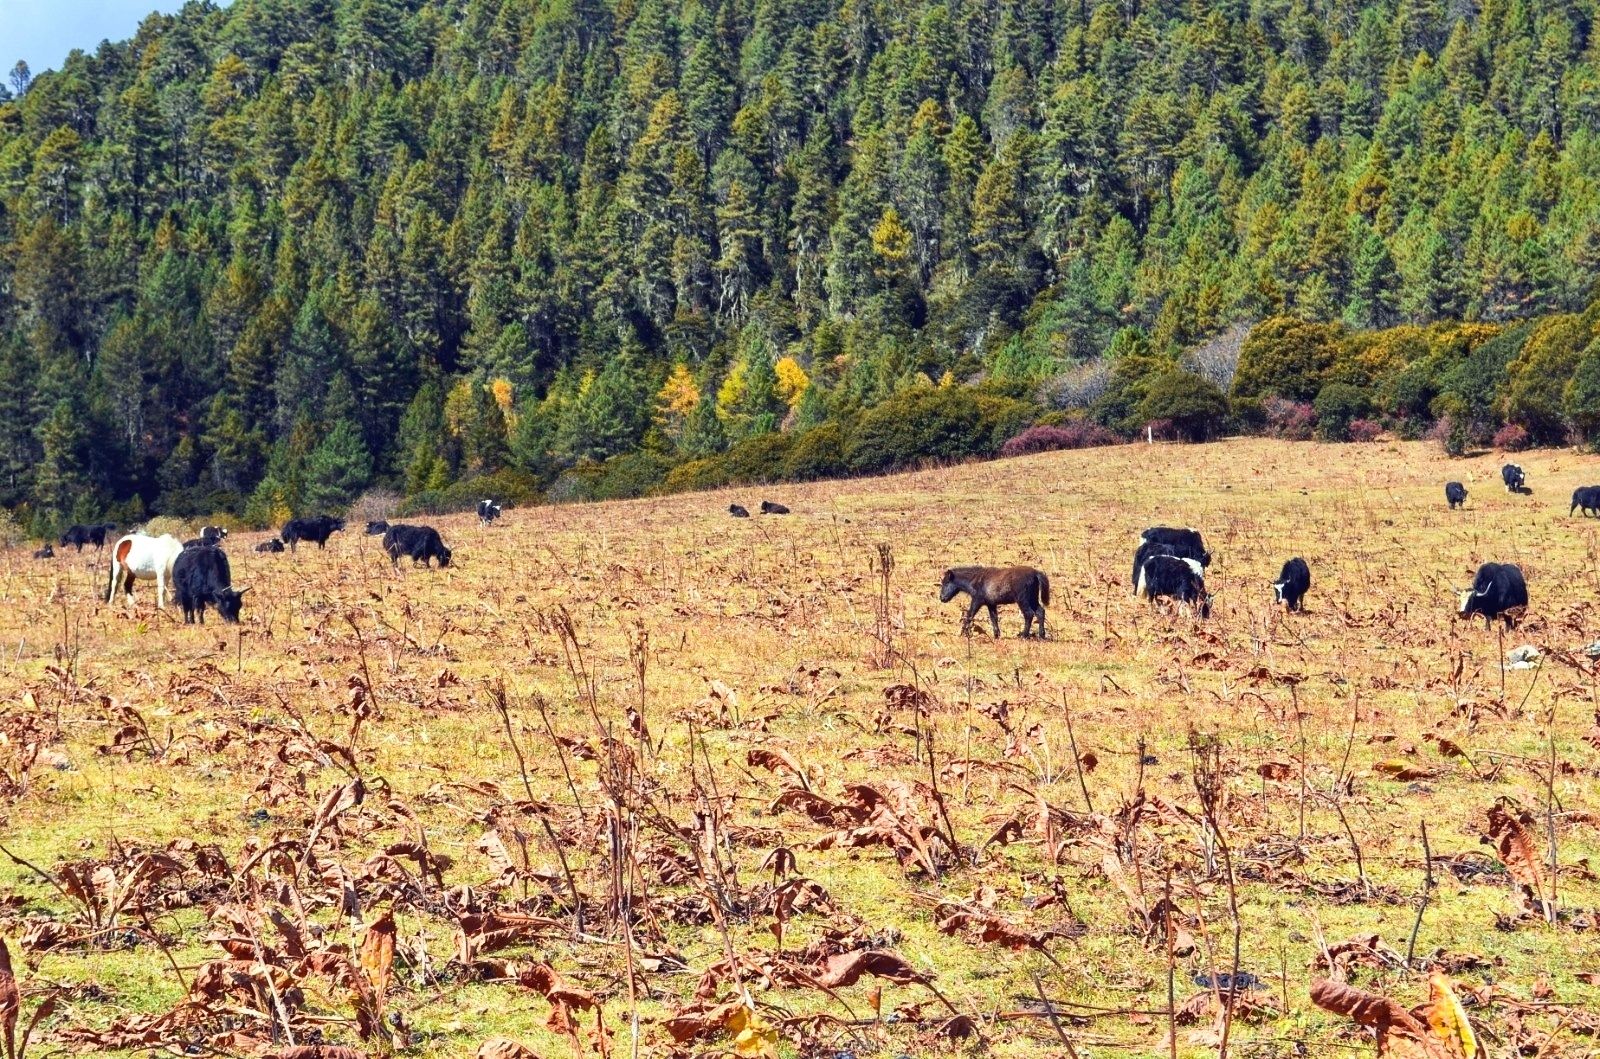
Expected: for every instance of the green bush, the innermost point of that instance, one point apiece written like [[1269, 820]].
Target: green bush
[[1131, 375], [509, 488], [633, 475], [576, 485], [1337, 405], [1193, 405], [1535, 381], [818, 453], [759, 458], [1005, 418], [947, 423], [1581, 399], [1286, 357], [1470, 389], [709, 473], [1249, 415]]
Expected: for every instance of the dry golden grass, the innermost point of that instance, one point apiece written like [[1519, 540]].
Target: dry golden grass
[[127, 731]]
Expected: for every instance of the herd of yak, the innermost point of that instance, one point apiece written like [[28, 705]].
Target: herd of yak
[[1170, 563], [1167, 564], [197, 570]]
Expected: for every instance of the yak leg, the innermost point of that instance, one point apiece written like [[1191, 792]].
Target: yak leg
[[966, 622], [994, 618]]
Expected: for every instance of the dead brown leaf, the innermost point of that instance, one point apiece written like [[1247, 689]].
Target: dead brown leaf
[[847, 968], [1518, 852]]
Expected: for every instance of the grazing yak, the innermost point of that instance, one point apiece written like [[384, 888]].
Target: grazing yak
[[273, 545], [1180, 544], [991, 586], [769, 508], [1176, 578], [1586, 497], [1184, 543], [316, 528], [78, 536], [1455, 494], [1163, 540], [488, 511], [737, 512], [377, 528], [47, 552], [1512, 475], [143, 558], [1498, 591], [200, 576], [421, 543], [1293, 582]]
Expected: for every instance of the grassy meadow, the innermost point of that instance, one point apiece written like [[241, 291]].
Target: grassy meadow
[[756, 749]]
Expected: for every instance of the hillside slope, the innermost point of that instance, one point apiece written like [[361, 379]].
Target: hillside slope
[[285, 249]]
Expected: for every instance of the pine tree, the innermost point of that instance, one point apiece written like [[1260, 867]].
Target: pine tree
[[337, 469]]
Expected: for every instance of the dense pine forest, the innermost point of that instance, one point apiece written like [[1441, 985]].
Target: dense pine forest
[[261, 259]]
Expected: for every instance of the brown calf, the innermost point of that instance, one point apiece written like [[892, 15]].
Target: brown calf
[[991, 586]]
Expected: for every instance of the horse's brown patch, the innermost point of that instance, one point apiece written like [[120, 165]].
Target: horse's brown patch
[[123, 548]]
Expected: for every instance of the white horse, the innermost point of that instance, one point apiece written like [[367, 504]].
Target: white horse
[[144, 558]]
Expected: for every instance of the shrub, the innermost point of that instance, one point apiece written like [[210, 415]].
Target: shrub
[[1535, 381], [1581, 397], [1193, 405], [1003, 418], [1248, 415], [1470, 389], [1285, 357], [1077, 434], [759, 458], [947, 423], [709, 473], [576, 485], [818, 453], [511, 488], [1290, 420], [1337, 404], [1131, 376], [1450, 433], [1511, 438], [1364, 430], [632, 475]]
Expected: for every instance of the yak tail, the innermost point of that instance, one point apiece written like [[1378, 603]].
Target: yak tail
[[1044, 588]]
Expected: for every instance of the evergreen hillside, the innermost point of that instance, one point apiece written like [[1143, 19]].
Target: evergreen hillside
[[260, 259]]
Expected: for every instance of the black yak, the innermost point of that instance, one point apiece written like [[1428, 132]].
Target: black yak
[[1498, 591], [201, 576], [1293, 582]]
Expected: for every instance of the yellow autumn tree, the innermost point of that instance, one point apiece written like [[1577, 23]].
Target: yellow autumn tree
[[792, 380], [675, 400], [891, 239], [505, 395], [732, 391]]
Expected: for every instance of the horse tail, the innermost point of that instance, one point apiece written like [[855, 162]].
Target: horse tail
[[1044, 588]]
